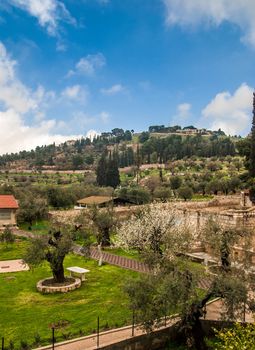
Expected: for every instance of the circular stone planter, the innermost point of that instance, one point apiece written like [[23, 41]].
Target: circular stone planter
[[76, 283]]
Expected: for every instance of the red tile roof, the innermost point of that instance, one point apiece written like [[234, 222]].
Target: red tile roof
[[8, 202]]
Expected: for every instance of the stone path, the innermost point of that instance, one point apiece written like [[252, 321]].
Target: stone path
[[114, 259]]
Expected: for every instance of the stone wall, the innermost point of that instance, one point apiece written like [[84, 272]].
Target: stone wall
[[154, 341]]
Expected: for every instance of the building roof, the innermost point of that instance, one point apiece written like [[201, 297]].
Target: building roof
[[8, 202], [96, 200]]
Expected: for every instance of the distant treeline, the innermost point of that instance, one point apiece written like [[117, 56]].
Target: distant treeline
[[81, 153]]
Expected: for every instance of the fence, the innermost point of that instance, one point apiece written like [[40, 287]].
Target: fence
[[94, 340]]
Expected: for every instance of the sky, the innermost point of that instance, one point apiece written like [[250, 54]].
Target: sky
[[71, 68]]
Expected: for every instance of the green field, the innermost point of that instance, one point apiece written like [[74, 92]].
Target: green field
[[26, 313]]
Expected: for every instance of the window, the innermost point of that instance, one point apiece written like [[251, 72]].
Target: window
[[5, 214]]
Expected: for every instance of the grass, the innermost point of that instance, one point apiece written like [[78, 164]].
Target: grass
[[40, 227], [25, 312]]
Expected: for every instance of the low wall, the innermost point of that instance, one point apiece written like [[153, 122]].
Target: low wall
[[152, 341]]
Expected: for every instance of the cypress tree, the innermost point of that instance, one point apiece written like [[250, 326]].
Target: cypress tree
[[252, 153], [101, 171]]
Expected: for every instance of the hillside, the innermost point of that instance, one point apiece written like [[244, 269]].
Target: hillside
[[158, 145]]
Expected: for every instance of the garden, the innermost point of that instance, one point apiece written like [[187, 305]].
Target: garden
[[27, 316]]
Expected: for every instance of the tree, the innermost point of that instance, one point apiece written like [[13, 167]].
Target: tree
[[175, 182], [102, 221], [252, 150], [172, 285], [53, 249], [112, 173], [77, 161], [185, 192], [144, 136], [155, 229], [107, 171], [101, 170], [32, 208], [7, 236]]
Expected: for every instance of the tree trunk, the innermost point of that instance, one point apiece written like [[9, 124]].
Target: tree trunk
[[106, 238], [58, 274], [192, 326]]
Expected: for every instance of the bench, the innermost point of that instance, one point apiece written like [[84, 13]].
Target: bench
[[78, 271]]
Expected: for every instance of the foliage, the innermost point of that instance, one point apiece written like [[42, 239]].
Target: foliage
[[136, 194], [32, 208], [175, 182], [7, 236], [185, 192], [103, 221], [238, 337], [156, 229], [107, 171], [220, 241], [53, 249]]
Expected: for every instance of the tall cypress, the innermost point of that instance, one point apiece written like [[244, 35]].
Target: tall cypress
[[101, 170], [252, 153]]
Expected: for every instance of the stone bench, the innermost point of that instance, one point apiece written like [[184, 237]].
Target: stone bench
[[78, 271]]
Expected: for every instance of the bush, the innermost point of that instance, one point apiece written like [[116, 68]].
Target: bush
[[7, 236]]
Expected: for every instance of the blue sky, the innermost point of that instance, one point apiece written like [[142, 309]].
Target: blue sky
[[68, 67]]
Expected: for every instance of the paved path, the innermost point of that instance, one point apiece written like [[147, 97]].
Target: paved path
[[114, 259], [105, 338]]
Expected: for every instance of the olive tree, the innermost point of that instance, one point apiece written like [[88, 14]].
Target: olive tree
[[53, 249]]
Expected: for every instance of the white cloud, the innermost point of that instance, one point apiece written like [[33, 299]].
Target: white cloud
[[113, 90], [197, 12], [15, 135], [17, 103], [88, 65], [13, 94], [48, 12], [76, 93], [231, 113]]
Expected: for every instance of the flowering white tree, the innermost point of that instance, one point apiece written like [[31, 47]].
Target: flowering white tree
[[158, 229]]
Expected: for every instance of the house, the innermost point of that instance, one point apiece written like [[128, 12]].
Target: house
[[8, 209], [98, 201]]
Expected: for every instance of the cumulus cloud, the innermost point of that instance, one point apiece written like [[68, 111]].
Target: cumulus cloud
[[48, 12], [76, 93], [113, 90], [197, 12], [230, 113], [17, 104], [15, 135], [88, 65]]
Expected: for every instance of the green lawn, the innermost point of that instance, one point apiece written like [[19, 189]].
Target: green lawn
[[25, 312], [40, 227]]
